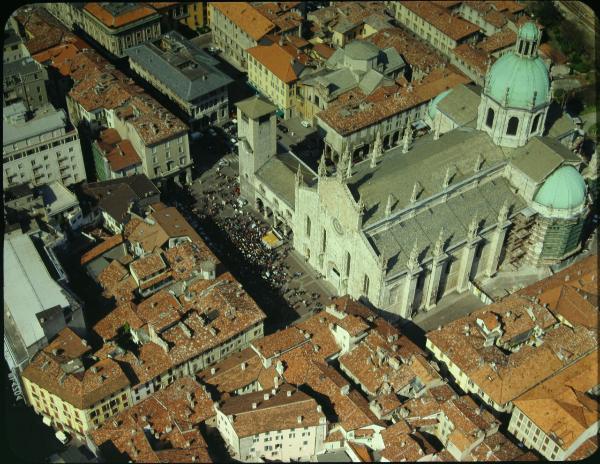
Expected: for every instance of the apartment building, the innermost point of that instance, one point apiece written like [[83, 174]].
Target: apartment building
[[118, 26], [458, 422], [355, 117], [151, 431], [197, 15], [114, 202], [36, 306], [532, 333], [436, 25], [41, 148], [359, 65], [492, 16], [236, 27], [186, 74], [274, 71], [24, 80], [114, 157], [283, 423], [560, 415], [13, 48], [342, 22], [70, 396]]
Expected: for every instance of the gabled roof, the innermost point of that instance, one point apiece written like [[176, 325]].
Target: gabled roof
[[246, 17], [278, 61]]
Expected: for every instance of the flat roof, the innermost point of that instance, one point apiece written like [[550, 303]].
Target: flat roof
[[46, 119], [28, 287]]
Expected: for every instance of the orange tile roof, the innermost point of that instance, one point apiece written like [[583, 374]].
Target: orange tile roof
[[246, 17], [101, 248], [131, 15], [417, 53], [172, 414], [108, 327], [353, 110], [452, 26], [559, 405], [252, 414], [279, 342], [160, 310], [472, 56], [498, 41], [277, 60]]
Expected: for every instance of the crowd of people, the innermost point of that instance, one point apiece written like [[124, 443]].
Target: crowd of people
[[219, 202]]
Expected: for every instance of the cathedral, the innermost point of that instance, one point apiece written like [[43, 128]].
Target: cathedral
[[493, 184]]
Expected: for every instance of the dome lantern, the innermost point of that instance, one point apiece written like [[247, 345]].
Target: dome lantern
[[528, 39]]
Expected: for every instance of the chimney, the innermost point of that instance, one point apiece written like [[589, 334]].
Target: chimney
[[289, 393], [253, 405], [273, 391], [243, 366], [213, 370], [319, 408], [266, 396], [299, 419]]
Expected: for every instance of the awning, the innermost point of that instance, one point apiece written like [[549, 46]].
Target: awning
[[271, 240]]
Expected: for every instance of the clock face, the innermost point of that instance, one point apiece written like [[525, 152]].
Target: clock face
[[337, 226]]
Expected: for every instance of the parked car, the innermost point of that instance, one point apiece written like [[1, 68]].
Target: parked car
[[212, 132], [282, 128], [305, 124], [233, 140]]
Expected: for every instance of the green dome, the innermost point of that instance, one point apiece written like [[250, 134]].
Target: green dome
[[529, 31], [522, 77], [563, 189], [432, 110]]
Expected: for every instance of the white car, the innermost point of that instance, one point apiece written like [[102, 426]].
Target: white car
[[305, 124], [233, 140]]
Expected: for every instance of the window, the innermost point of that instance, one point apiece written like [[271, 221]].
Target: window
[[305, 442], [366, 285], [536, 122], [347, 264], [489, 120], [513, 125], [307, 226]]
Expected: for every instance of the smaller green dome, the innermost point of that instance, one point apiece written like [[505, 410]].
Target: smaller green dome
[[432, 110], [563, 189], [529, 31]]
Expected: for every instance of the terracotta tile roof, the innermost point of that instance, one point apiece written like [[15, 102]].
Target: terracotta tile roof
[[120, 154], [101, 248], [585, 450], [215, 311], [42, 30], [67, 345], [160, 310], [353, 110], [279, 412], [505, 375], [321, 337], [61, 55], [246, 17], [150, 236], [236, 371], [148, 265], [452, 26], [417, 53], [280, 14], [279, 342], [498, 41], [108, 327], [363, 453], [171, 416], [187, 258], [278, 60], [353, 325], [496, 447], [149, 361], [347, 305], [81, 389], [552, 53], [112, 275], [559, 405], [129, 16], [323, 50], [175, 225], [473, 57]]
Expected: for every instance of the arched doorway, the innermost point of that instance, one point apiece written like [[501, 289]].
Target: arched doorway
[[386, 142]]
